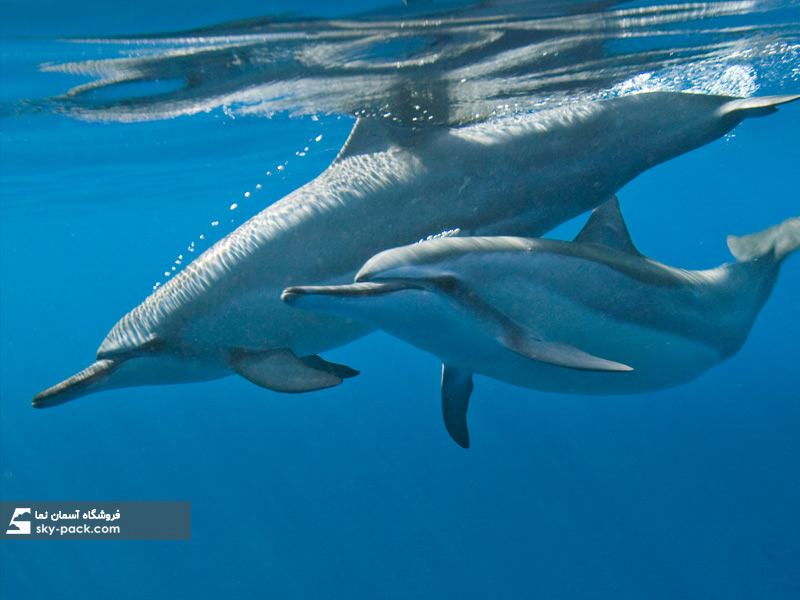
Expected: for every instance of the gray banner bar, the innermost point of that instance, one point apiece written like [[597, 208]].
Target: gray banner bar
[[102, 520]]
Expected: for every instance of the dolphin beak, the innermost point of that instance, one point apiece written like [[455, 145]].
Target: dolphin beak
[[87, 381], [292, 295]]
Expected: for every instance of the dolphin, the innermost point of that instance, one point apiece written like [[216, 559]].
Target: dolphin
[[390, 185], [591, 316]]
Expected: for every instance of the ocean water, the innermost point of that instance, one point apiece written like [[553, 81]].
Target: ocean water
[[357, 491]]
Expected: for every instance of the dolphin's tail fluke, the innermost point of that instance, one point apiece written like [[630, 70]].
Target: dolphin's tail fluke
[[780, 240], [90, 380], [758, 106]]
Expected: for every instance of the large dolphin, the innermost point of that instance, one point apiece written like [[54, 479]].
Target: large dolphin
[[591, 316], [389, 186]]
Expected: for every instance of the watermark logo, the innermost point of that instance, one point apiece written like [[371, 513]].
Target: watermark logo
[[118, 520], [18, 525]]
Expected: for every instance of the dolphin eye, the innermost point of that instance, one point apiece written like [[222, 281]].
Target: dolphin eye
[[447, 284], [154, 345]]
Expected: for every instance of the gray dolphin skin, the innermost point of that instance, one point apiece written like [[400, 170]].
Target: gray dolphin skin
[[389, 186], [591, 316]]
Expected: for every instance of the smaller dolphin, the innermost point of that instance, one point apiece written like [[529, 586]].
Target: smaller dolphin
[[591, 316]]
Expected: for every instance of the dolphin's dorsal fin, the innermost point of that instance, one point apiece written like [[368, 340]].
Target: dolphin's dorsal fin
[[456, 390], [607, 227], [280, 370], [374, 134], [367, 136]]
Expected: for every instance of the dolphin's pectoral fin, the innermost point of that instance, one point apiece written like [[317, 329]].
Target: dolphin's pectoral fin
[[316, 362], [456, 390], [560, 354], [280, 370], [520, 339]]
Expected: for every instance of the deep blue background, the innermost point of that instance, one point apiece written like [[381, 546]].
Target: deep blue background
[[356, 491]]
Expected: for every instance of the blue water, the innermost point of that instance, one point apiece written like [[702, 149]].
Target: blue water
[[357, 491]]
